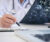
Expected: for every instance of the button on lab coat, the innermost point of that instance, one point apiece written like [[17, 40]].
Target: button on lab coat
[[6, 7]]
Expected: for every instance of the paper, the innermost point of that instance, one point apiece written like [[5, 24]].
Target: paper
[[29, 35], [9, 37]]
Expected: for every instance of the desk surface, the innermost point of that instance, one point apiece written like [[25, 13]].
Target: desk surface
[[34, 26], [11, 37], [28, 26]]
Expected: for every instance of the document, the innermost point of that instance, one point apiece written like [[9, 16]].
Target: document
[[29, 35]]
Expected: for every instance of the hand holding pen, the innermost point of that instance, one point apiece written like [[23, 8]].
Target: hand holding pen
[[7, 20]]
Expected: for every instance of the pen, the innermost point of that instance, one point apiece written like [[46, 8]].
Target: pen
[[17, 23]]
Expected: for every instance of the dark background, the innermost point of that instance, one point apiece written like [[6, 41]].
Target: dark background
[[39, 13]]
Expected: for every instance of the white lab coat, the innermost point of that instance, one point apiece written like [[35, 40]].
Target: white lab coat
[[6, 7]]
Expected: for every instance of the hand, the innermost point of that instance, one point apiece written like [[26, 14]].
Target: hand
[[7, 20]]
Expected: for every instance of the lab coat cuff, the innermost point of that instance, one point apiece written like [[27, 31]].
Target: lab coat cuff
[[0, 16]]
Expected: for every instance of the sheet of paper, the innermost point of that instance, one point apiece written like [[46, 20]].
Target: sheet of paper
[[29, 35], [9, 37]]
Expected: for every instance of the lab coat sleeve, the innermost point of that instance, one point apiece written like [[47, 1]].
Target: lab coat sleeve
[[23, 11], [1, 13], [2, 8], [21, 14]]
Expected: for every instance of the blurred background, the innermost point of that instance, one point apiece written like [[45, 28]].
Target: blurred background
[[39, 13]]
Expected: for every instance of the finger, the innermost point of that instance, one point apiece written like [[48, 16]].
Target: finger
[[10, 17], [8, 21], [5, 25]]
